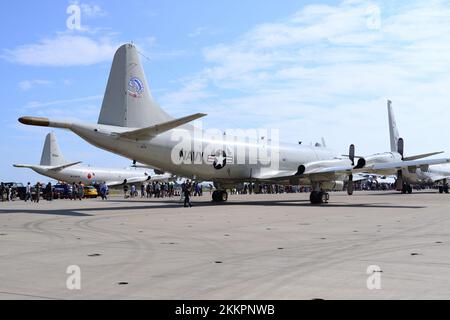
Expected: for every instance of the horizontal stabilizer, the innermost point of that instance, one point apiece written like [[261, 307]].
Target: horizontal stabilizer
[[153, 131], [422, 156], [63, 166], [29, 166], [55, 168]]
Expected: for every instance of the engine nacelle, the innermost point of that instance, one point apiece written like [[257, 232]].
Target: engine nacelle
[[322, 164]]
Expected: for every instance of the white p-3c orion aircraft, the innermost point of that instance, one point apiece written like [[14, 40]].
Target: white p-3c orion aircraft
[[131, 124]]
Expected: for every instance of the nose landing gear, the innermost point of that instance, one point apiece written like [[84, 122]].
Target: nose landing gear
[[319, 197], [219, 196]]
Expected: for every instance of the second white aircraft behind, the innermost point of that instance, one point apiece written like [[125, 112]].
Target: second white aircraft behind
[[54, 165], [429, 172]]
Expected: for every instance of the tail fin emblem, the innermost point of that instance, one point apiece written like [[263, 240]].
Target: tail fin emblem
[[135, 87]]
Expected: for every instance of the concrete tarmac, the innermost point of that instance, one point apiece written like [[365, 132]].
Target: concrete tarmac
[[252, 247]]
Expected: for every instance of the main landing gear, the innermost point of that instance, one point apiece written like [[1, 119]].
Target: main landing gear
[[219, 196], [319, 197], [407, 189]]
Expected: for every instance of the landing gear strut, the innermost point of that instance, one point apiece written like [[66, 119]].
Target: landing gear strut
[[220, 196], [319, 197]]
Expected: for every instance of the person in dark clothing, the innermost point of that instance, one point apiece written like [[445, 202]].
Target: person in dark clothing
[[125, 190], [80, 191], [2, 190], [74, 191], [187, 194], [38, 191], [143, 190], [149, 190], [48, 192]]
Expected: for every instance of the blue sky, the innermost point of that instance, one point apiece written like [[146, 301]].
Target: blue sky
[[310, 69]]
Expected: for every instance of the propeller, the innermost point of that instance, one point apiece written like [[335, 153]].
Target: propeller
[[399, 182], [400, 150], [351, 156], [401, 147], [351, 185]]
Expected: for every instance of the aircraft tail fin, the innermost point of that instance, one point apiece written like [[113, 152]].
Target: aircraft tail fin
[[128, 101], [393, 130], [51, 154]]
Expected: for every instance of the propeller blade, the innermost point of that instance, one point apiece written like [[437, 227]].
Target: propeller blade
[[399, 182], [351, 154], [351, 185], [401, 147]]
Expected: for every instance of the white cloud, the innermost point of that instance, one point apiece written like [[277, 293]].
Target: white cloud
[[63, 50], [40, 104], [26, 85], [326, 70], [30, 84], [92, 10], [197, 32]]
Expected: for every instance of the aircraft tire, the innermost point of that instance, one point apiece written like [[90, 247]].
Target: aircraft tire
[[441, 190], [316, 197], [223, 196], [220, 196], [409, 189]]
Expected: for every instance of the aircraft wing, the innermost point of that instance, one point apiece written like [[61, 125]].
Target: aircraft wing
[[129, 180], [315, 171], [153, 131], [421, 156], [437, 177], [55, 168], [395, 166], [158, 177], [275, 175]]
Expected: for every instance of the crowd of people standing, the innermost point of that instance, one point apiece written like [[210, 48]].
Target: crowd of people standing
[[154, 189]]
